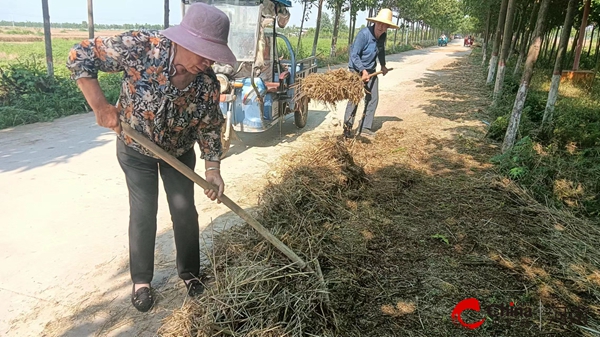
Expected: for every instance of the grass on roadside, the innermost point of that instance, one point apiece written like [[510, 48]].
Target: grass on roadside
[[561, 169]]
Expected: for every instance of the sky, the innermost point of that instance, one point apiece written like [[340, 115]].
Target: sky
[[121, 12]]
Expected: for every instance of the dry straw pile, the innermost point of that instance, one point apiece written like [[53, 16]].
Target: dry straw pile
[[398, 250], [331, 87], [256, 291]]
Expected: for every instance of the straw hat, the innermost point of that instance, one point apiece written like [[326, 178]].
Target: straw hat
[[384, 16]]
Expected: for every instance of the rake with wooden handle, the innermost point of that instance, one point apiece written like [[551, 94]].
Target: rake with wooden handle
[[188, 172]]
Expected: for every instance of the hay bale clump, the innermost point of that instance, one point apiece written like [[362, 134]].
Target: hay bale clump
[[331, 87]]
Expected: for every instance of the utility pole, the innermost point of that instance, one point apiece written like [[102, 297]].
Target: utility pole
[[90, 19], [48, 38], [166, 14]]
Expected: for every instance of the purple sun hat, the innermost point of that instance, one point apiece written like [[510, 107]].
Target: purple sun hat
[[204, 31]]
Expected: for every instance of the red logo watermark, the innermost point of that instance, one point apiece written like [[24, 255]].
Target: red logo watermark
[[511, 313], [466, 304]]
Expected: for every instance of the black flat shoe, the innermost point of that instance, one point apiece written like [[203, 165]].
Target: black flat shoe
[[142, 299], [194, 288]]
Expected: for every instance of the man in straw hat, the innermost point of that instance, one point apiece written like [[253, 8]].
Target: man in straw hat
[[170, 94], [368, 46]]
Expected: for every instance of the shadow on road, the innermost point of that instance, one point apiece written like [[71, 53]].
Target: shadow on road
[[30, 146], [379, 121], [452, 102], [110, 312]]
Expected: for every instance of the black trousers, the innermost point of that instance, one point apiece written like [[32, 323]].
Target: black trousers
[[371, 101], [141, 174]]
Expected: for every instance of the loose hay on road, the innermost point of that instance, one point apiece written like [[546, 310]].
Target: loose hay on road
[[398, 249]]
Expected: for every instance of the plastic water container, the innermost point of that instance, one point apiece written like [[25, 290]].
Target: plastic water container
[[268, 107]]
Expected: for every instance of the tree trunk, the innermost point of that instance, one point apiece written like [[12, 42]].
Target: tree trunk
[[506, 41], [548, 40], [317, 28], [47, 38], [396, 30], [586, 13], [525, 42], [496, 48], [522, 30], [515, 33], [591, 41], [544, 43], [91, 18], [554, 44], [532, 55], [597, 53], [402, 30], [336, 28], [558, 64], [573, 47], [353, 28], [486, 40], [301, 28]]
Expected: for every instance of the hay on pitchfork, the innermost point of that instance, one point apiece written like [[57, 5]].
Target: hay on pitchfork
[[331, 87]]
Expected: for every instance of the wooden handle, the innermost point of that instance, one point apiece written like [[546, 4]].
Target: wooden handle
[[379, 72], [188, 172]]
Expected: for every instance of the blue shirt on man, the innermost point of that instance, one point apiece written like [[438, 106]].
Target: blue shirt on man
[[366, 49]]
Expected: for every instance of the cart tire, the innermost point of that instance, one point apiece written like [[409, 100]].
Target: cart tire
[[301, 113], [225, 144]]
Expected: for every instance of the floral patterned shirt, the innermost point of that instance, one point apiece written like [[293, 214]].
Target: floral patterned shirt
[[173, 119]]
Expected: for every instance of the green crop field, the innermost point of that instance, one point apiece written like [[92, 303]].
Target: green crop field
[[20, 51]]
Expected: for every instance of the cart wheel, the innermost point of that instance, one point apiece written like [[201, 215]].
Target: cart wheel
[[301, 113], [225, 144]]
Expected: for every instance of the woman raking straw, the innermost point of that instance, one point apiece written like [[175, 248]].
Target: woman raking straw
[[170, 94]]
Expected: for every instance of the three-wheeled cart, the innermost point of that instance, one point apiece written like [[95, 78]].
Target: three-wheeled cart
[[258, 92]]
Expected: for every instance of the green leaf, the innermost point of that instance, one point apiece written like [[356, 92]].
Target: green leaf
[[440, 237]]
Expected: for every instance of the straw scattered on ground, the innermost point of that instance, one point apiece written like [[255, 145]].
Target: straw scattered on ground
[[331, 87], [399, 247], [398, 250]]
